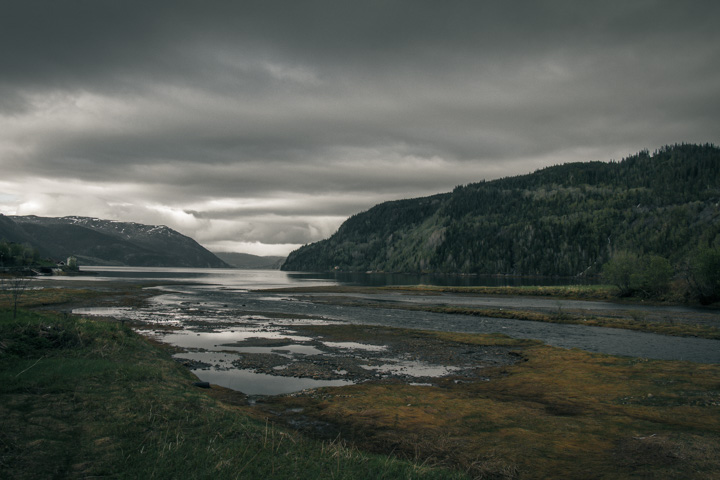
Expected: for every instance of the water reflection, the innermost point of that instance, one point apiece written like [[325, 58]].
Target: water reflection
[[389, 279], [251, 383], [258, 279]]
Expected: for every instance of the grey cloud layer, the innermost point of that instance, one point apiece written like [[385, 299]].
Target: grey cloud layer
[[184, 102]]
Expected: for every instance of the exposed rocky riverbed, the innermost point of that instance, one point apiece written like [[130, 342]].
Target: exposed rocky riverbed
[[267, 343], [322, 353]]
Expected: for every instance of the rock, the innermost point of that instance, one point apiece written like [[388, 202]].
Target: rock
[[202, 384]]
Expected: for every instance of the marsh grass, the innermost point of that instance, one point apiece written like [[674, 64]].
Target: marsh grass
[[34, 297], [570, 292], [557, 414], [84, 399], [45, 294], [585, 292]]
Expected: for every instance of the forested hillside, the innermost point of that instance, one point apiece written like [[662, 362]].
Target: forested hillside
[[251, 262], [105, 242], [564, 220]]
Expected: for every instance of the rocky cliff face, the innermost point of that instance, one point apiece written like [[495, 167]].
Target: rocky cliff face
[[96, 241]]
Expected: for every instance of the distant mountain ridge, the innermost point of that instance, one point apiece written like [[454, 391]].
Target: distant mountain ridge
[[248, 261], [95, 241], [565, 220]]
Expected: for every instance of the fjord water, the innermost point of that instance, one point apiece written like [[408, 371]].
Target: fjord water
[[258, 279], [225, 292]]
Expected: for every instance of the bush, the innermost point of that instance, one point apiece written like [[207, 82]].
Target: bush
[[648, 276], [619, 271], [703, 275], [654, 276]]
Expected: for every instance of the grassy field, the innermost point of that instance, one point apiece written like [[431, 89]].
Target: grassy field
[[88, 399]]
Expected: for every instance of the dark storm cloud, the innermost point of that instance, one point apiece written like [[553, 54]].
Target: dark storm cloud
[[157, 109]]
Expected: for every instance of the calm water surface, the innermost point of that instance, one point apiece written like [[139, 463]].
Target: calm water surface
[[276, 279]]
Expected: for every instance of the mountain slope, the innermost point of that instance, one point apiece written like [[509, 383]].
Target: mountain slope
[[104, 242], [562, 220], [248, 261], [11, 231]]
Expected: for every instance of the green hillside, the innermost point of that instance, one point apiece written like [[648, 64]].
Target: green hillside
[[564, 220], [250, 262]]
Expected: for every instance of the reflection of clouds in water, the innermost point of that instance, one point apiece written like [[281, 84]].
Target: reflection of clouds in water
[[224, 318], [226, 340], [121, 312], [216, 350], [411, 369], [285, 350], [252, 383], [355, 346]]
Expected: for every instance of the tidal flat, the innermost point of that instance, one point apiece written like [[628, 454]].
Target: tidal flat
[[502, 407]]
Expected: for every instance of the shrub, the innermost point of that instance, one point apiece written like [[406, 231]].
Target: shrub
[[648, 276], [654, 276], [703, 276], [619, 271]]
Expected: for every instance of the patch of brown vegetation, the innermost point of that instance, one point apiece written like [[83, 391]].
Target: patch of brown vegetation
[[559, 414]]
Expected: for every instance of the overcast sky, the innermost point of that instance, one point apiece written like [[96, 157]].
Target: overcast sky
[[259, 126]]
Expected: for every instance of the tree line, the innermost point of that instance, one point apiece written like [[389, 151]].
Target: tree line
[[18, 254], [697, 278]]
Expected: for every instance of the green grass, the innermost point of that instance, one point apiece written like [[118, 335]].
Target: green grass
[[81, 398]]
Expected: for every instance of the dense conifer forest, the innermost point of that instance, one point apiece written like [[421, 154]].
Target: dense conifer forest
[[565, 220]]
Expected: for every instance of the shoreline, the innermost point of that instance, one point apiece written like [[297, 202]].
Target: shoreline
[[695, 321], [679, 320]]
